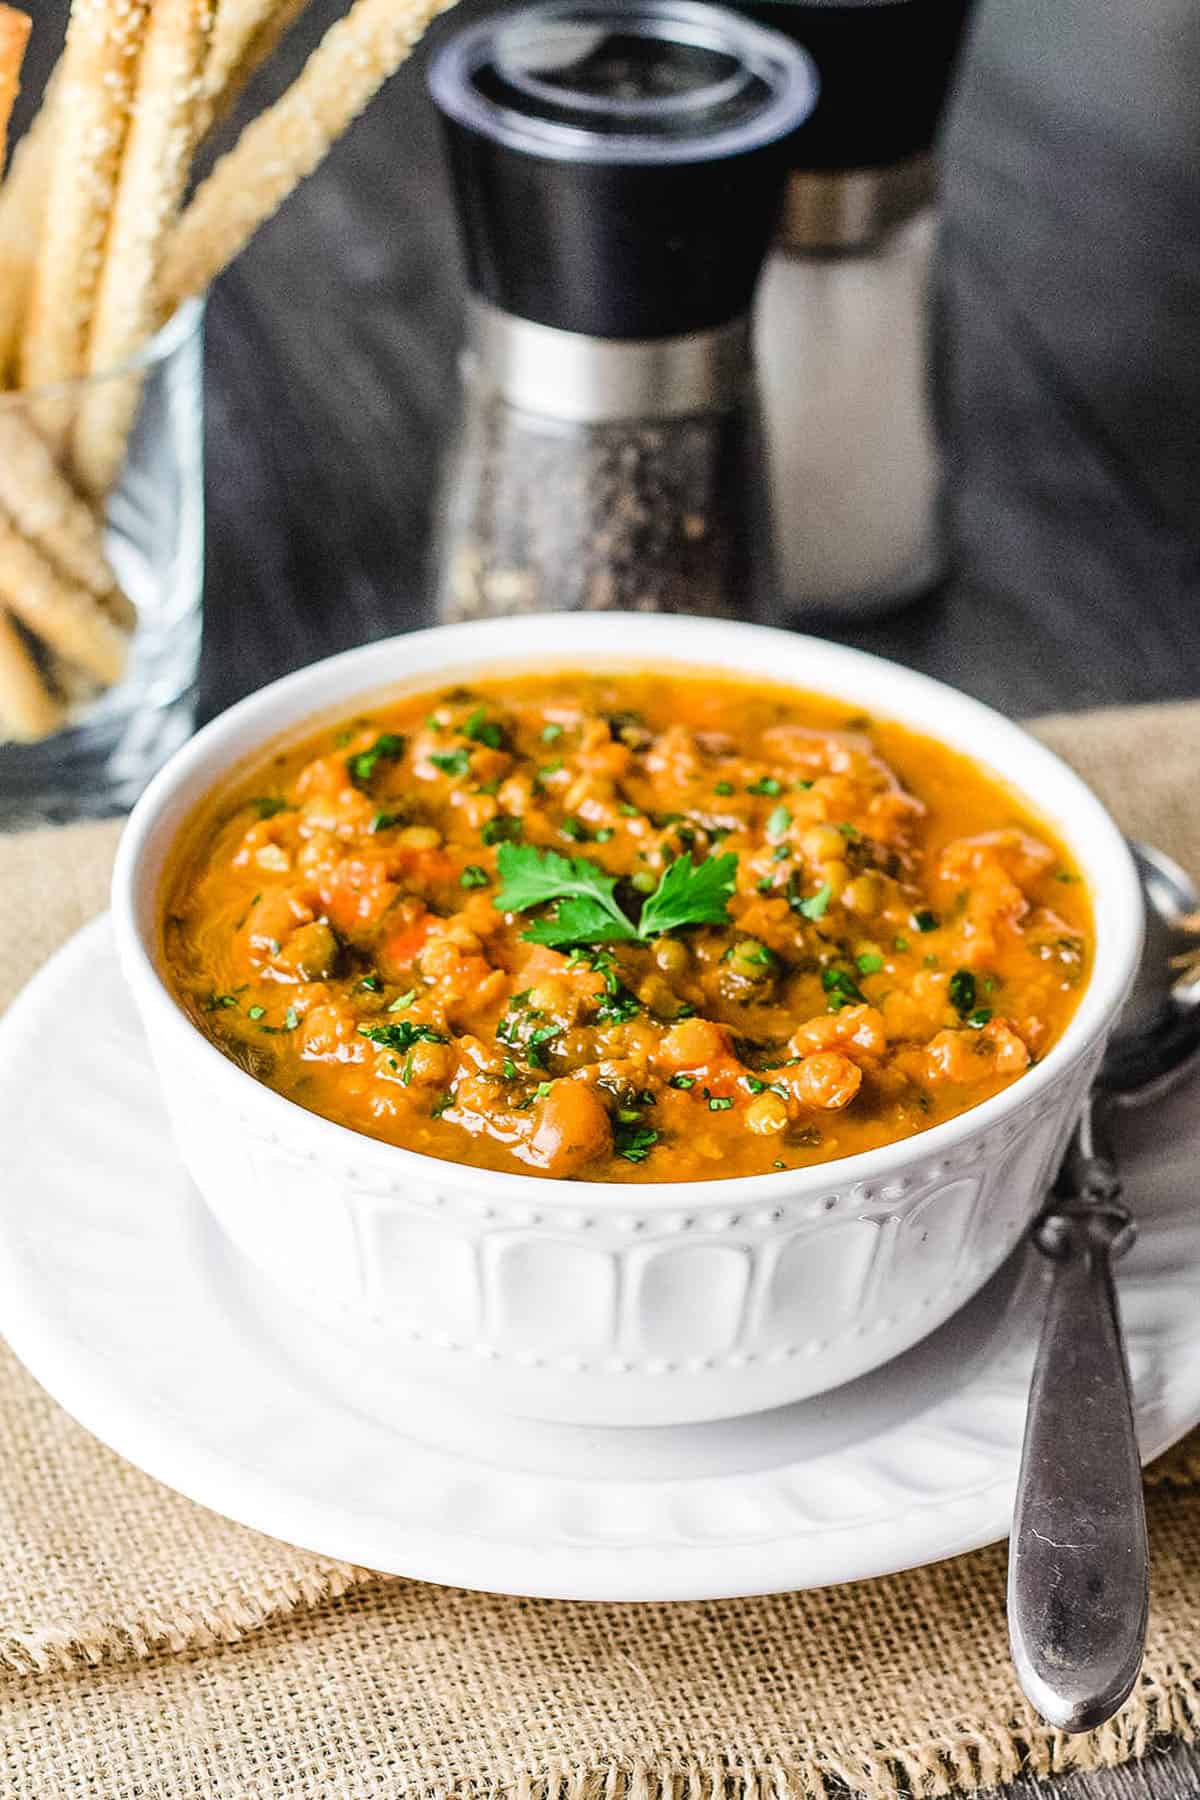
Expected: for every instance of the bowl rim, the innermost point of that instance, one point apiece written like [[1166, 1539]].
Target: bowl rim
[[413, 660]]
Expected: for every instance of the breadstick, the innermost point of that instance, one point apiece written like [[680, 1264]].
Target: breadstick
[[22, 207], [154, 172], [14, 35], [284, 144], [244, 34], [66, 618], [28, 710], [42, 503], [91, 118]]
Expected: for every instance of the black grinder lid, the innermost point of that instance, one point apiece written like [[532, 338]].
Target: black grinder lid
[[618, 166], [885, 68]]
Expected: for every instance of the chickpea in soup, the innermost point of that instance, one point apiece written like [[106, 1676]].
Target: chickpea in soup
[[626, 927]]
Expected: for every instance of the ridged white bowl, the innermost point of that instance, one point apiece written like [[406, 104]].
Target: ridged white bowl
[[634, 1304]]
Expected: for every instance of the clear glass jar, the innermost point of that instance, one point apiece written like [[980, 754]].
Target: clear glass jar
[[92, 593]]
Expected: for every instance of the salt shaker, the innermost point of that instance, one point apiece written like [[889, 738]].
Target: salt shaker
[[842, 319], [618, 170]]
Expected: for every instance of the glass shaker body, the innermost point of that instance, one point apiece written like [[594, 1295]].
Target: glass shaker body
[[842, 342], [657, 513]]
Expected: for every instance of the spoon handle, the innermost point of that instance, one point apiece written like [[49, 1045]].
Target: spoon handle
[[1078, 1568]]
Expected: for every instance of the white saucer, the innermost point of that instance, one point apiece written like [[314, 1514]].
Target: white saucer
[[126, 1302]]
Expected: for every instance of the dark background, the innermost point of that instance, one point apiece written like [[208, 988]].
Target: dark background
[[1069, 374]]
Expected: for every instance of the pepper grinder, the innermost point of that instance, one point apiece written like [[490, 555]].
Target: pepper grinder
[[842, 327], [618, 170]]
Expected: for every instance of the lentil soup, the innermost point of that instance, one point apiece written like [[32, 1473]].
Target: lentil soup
[[626, 927]]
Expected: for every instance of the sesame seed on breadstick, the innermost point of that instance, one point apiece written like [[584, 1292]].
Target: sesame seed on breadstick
[[14, 35], [28, 710], [96, 83], [64, 616], [284, 144], [154, 172]]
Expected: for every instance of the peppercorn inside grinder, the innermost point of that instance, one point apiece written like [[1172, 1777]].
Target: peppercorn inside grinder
[[618, 172]]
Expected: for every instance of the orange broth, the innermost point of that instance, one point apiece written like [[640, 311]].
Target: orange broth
[[893, 935]]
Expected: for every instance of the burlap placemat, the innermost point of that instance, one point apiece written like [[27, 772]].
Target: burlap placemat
[[149, 1648]]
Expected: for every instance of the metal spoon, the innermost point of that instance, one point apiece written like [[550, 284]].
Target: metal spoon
[[1078, 1563]]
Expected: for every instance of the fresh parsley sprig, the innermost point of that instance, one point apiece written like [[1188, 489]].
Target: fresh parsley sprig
[[586, 907]]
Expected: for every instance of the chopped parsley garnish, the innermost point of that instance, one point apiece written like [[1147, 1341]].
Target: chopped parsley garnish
[[217, 1002], [925, 920], [869, 963], [482, 730], [505, 828], [682, 1081], [962, 992], [441, 1105], [618, 1005], [371, 983], [587, 910], [633, 1143], [551, 768], [900, 943], [388, 747], [508, 1069], [841, 988], [850, 832], [630, 812], [474, 877], [778, 822], [768, 785], [403, 1000], [758, 1086], [723, 788], [291, 1019], [256, 1012], [552, 732], [267, 805], [452, 762], [979, 1018], [401, 1037], [383, 821], [575, 829], [815, 906], [718, 1104]]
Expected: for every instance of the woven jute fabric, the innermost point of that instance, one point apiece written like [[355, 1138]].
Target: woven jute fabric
[[149, 1648]]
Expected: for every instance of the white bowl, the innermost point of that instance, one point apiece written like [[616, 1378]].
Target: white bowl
[[587, 1301]]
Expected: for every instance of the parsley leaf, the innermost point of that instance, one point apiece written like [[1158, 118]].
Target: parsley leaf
[[473, 877], [401, 1037], [962, 992], [452, 762], [587, 911], [388, 747], [634, 1144], [841, 988], [482, 730], [690, 894], [817, 905]]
